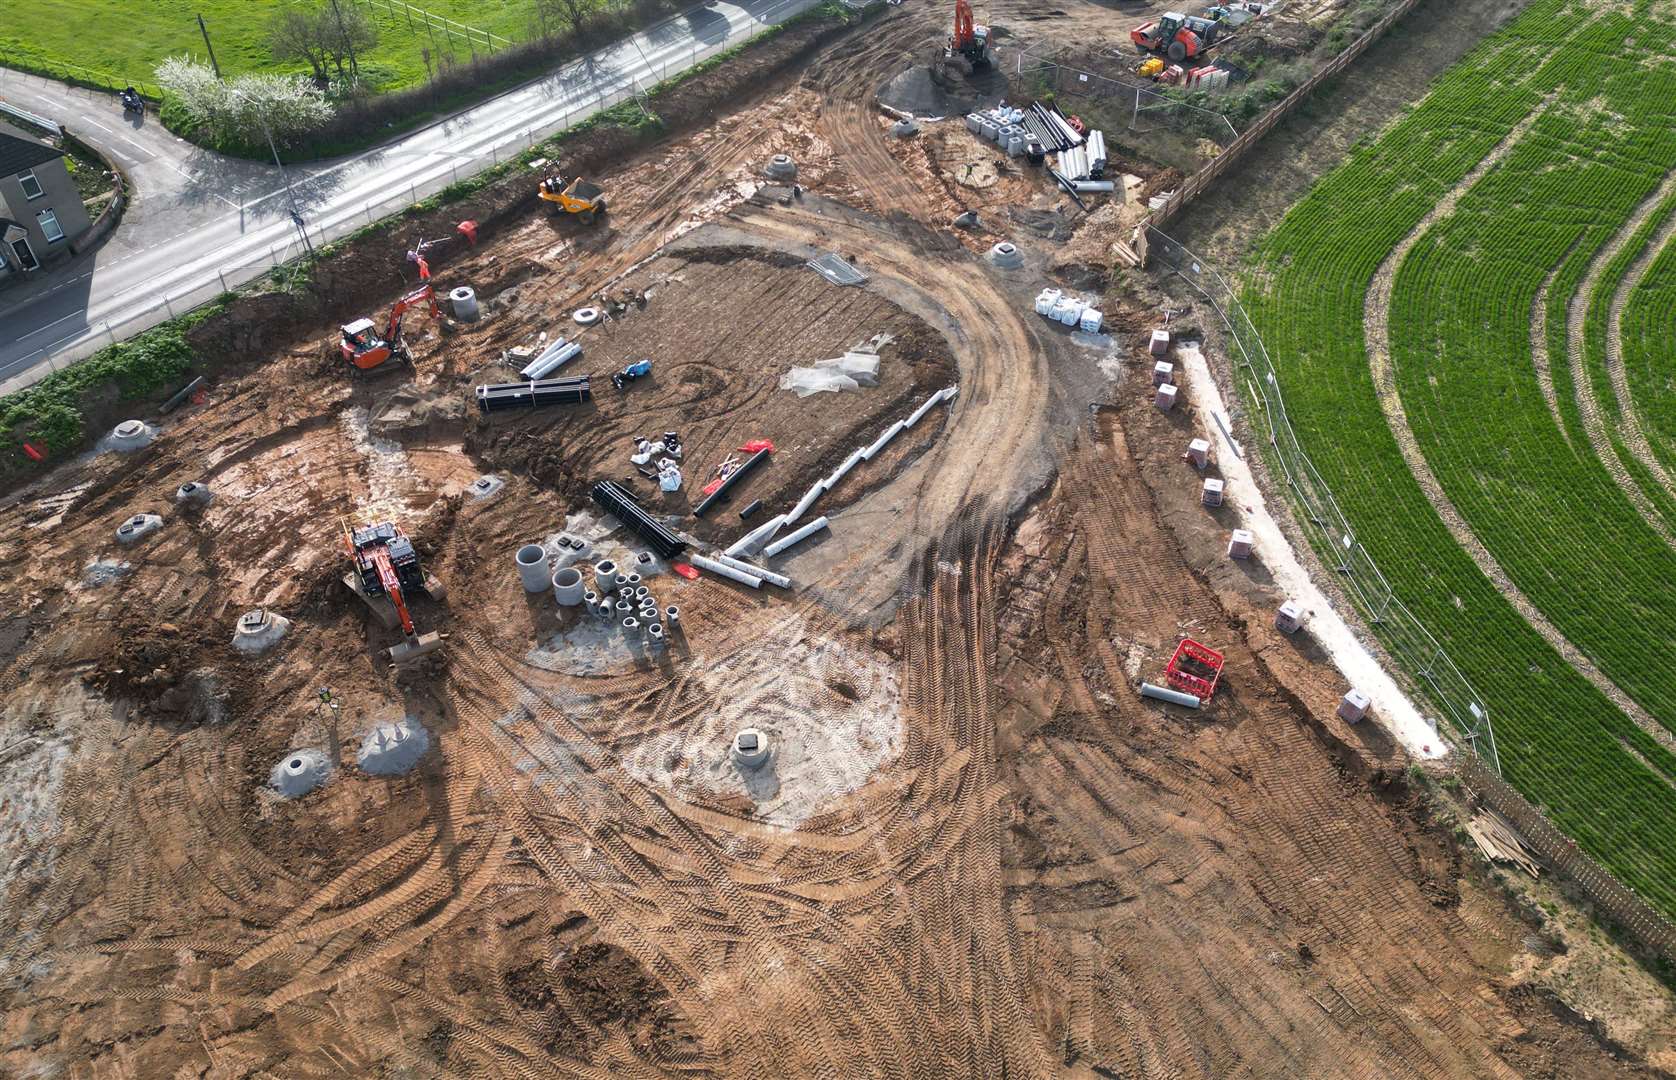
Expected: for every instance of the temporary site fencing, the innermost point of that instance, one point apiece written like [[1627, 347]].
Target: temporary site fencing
[[1417, 652], [1147, 108], [1318, 513]]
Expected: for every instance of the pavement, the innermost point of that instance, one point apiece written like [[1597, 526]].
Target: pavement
[[200, 223]]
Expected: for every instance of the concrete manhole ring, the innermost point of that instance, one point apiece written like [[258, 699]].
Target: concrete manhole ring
[[586, 316], [1006, 255]]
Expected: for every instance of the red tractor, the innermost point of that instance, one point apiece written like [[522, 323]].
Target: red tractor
[[362, 346], [1179, 37], [968, 40]]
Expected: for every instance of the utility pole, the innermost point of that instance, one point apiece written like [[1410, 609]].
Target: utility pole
[[205, 31], [354, 69]]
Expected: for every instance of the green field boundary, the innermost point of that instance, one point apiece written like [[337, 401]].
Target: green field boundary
[[1419, 653]]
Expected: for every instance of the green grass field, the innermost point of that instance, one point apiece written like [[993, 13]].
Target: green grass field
[[1604, 87], [125, 39]]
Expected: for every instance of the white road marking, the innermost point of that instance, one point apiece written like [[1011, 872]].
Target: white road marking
[[97, 124]]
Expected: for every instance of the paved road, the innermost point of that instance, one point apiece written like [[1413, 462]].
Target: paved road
[[200, 222]]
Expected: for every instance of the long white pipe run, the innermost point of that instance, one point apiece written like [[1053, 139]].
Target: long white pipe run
[[725, 570], [779, 580], [799, 536]]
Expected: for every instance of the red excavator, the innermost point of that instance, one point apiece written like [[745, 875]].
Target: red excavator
[[364, 349], [968, 40], [386, 572], [1179, 37]]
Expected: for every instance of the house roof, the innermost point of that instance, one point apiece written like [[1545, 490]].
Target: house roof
[[19, 152]]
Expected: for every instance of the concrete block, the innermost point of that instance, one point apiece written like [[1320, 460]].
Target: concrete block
[[1240, 544], [1290, 618], [1354, 706], [1211, 493], [1163, 373], [1198, 452], [1160, 343], [1165, 397]]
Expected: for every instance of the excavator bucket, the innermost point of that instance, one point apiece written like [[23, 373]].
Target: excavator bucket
[[414, 647]]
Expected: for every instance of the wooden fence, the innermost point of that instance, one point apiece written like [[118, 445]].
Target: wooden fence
[[1633, 915], [1230, 156]]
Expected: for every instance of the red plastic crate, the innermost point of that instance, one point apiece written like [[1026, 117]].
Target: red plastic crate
[[1194, 669]]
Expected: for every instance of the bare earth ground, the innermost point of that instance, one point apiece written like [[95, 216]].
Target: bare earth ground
[[975, 853]]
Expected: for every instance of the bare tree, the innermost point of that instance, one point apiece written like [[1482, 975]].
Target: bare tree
[[571, 13], [348, 30], [324, 36], [300, 33]]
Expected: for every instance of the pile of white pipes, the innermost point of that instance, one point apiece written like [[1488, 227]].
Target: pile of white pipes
[[553, 357], [1086, 162]]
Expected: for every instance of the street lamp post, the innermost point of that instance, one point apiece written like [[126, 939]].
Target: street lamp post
[[290, 194]]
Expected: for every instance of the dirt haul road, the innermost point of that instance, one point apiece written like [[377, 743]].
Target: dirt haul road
[[974, 852]]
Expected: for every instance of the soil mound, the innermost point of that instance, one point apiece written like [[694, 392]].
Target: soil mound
[[942, 90]]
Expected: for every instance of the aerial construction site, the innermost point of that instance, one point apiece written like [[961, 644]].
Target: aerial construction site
[[790, 598]]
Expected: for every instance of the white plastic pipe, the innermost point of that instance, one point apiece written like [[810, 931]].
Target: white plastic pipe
[[725, 570], [550, 361], [800, 535], [756, 537], [1093, 185], [844, 469], [879, 444], [778, 580], [816, 491], [1173, 696]]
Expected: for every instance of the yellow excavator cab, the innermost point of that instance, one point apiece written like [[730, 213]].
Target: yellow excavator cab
[[577, 197]]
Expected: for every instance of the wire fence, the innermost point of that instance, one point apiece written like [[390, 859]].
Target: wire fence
[[420, 19], [1323, 521], [143, 306], [1148, 109], [1331, 535], [76, 74]]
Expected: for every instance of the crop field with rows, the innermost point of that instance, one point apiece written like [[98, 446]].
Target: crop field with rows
[[1573, 106]]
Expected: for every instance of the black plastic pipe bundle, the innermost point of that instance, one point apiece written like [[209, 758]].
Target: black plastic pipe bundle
[[495, 397], [614, 499], [732, 478]]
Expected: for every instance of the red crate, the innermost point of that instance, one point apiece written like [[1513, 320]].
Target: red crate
[[1194, 669]]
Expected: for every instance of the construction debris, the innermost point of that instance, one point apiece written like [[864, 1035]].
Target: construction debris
[[1500, 842], [729, 478], [834, 269]]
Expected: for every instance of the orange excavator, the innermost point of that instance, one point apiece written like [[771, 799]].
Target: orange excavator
[[968, 40], [365, 350], [386, 572]]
